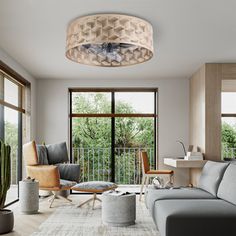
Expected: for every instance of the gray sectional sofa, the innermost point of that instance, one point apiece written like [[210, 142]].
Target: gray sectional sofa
[[208, 210]]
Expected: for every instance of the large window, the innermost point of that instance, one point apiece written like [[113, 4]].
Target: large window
[[228, 135], [11, 111], [109, 128]]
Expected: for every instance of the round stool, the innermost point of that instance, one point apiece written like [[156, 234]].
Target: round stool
[[117, 209]]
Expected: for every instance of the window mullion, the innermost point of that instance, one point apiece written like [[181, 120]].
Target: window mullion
[[113, 137]]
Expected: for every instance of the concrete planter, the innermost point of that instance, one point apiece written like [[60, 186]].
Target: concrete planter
[[29, 197], [6, 221]]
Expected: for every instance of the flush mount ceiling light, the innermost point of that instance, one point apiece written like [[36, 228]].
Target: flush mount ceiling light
[[110, 40]]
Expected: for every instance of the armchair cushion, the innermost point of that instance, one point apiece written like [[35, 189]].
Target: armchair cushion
[[69, 172], [47, 175], [211, 176], [42, 155], [57, 153]]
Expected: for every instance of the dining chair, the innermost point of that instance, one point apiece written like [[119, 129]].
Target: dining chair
[[147, 173]]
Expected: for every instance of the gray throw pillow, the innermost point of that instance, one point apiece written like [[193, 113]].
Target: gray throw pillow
[[69, 171], [42, 155], [211, 176], [227, 188], [57, 153]]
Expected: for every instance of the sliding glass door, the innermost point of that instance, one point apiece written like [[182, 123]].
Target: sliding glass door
[[11, 110], [109, 128]]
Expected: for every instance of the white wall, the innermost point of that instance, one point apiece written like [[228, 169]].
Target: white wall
[[49, 99], [13, 64], [52, 111]]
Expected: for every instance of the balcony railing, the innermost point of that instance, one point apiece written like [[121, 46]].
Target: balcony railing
[[228, 152], [95, 164]]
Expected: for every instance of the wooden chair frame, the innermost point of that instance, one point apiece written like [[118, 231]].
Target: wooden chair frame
[[147, 173]]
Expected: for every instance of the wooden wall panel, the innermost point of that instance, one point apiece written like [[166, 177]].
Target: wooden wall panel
[[205, 106], [213, 78], [228, 71], [197, 109], [195, 175], [228, 86]]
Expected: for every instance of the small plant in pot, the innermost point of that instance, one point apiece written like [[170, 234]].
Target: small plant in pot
[[6, 216]]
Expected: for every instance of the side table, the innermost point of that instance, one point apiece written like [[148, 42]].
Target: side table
[[29, 196], [118, 209]]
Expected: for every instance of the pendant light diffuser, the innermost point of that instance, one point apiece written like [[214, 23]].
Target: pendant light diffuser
[[110, 40]]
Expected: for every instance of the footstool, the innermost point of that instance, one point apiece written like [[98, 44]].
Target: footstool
[[117, 209], [93, 187]]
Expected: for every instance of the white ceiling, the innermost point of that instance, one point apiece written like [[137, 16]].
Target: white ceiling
[[187, 33]]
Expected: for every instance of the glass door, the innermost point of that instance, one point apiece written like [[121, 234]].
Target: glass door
[[108, 129], [91, 135], [134, 132], [11, 110]]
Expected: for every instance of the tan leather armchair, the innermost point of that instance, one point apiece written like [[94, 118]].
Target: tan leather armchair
[[47, 175]]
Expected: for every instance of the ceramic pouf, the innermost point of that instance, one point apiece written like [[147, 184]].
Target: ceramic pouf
[[118, 210], [29, 197]]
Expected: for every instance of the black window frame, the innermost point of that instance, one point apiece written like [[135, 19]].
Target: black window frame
[[16, 78], [113, 115]]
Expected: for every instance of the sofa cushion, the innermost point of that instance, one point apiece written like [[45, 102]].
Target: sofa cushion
[[42, 154], [211, 176], [198, 217], [57, 153], [152, 195], [227, 188]]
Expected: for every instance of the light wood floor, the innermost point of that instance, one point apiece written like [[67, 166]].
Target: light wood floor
[[25, 225]]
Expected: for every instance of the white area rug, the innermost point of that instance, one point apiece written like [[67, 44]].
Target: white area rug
[[70, 221]]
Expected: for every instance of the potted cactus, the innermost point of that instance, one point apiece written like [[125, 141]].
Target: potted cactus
[[6, 216]]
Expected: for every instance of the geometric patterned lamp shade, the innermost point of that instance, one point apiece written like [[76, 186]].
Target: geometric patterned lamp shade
[[110, 40]]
